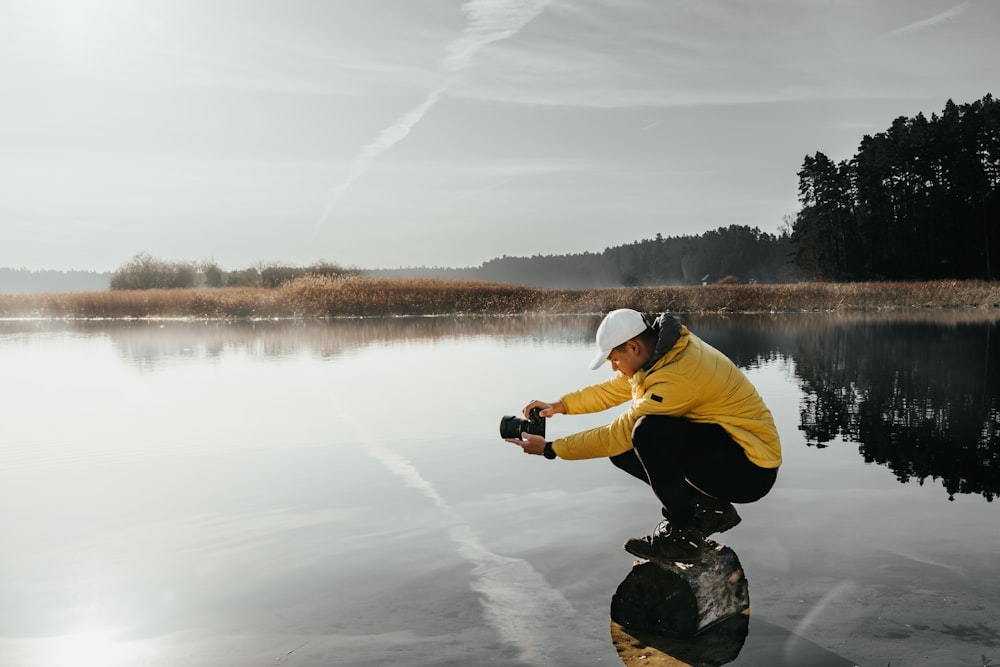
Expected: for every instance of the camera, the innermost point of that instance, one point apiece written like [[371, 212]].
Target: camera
[[513, 427]]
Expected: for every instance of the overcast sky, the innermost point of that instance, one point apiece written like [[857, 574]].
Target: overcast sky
[[385, 133]]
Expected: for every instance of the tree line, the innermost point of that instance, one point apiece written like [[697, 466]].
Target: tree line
[[729, 254], [737, 253], [919, 201]]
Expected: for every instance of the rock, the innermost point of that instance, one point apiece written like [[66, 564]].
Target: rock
[[682, 599]]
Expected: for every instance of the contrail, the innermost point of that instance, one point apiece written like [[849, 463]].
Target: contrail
[[813, 615], [487, 21], [946, 15], [524, 609], [385, 140]]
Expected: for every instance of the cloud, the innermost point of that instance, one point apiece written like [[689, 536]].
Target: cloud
[[487, 21]]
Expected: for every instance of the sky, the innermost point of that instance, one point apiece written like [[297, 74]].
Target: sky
[[398, 133]]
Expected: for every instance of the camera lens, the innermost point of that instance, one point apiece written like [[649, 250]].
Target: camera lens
[[511, 427]]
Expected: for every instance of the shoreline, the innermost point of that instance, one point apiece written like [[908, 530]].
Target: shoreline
[[317, 297]]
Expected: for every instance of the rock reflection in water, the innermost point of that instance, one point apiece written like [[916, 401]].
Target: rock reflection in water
[[673, 615], [719, 645]]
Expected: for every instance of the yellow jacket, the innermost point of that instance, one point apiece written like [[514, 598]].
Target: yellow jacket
[[692, 380]]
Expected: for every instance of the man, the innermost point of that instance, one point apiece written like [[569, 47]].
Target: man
[[696, 431]]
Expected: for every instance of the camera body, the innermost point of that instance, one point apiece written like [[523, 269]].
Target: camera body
[[513, 427]]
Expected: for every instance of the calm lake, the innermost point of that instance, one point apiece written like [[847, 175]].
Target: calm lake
[[336, 493]]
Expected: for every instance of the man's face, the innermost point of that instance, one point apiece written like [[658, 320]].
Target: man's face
[[627, 358]]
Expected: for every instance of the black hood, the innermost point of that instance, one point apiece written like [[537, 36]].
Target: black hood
[[668, 331]]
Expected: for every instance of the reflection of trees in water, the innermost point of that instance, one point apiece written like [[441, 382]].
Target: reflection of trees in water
[[918, 398], [749, 340], [917, 390], [146, 343]]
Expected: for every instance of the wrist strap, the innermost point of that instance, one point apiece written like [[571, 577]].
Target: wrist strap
[[548, 452]]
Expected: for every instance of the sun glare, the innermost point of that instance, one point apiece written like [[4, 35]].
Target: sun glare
[[78, 29], [89, 648]]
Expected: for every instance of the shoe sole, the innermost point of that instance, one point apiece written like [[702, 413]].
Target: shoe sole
[[640, 549]]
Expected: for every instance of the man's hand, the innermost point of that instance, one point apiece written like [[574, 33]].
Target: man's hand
[[529, 442], [547, 409]]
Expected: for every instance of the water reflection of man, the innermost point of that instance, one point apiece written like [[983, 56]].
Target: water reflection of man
[[696, 431]]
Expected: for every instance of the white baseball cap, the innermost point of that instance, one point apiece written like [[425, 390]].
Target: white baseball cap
[[617, 327]]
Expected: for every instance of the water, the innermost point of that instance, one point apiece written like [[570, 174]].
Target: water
[[287, 493]]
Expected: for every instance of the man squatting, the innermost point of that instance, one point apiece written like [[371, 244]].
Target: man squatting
[[696, 431]]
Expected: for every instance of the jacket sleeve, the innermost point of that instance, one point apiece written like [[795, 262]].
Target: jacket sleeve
[[598, 397], [600, 441], [609, 440], [664, 398]]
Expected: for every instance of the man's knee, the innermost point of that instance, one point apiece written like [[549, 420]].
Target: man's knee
[[625, 461], [630, 463], [642, 431]]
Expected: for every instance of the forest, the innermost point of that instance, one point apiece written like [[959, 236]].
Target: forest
[[731, 254], [919, 201]]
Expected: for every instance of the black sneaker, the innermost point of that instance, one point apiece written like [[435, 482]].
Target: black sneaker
[[669, 544], [715, 516]]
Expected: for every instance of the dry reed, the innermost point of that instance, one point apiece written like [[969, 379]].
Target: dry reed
[[356, 296]]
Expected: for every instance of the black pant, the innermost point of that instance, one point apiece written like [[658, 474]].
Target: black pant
[[683, 460]]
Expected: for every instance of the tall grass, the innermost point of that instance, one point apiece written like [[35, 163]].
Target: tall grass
[[799, 297], [357, 296]]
